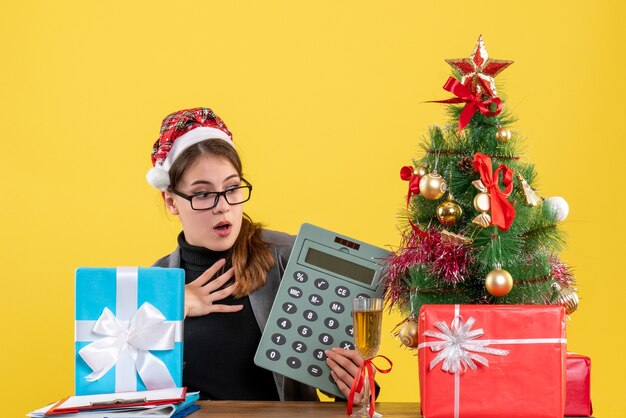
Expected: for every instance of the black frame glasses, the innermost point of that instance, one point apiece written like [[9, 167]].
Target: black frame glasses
[[224, 194]]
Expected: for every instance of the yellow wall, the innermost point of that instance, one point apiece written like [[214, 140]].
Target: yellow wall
[[325, 100]]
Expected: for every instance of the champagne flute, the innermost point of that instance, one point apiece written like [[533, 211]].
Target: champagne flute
[[367, 317]]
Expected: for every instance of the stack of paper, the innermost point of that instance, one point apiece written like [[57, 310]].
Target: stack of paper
[[174, 403]]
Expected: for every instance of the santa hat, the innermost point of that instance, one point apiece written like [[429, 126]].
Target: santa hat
[[178, 131]]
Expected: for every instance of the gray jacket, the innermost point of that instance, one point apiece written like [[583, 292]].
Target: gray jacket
[[261, 301]]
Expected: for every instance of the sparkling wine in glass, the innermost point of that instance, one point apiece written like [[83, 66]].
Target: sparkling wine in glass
[[367, 317]]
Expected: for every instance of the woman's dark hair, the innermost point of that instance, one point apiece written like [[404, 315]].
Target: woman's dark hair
[[251, 257]]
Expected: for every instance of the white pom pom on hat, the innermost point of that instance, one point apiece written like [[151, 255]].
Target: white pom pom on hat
[[158, 178], [179, 131]]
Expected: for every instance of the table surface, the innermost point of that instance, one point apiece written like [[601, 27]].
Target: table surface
[[217, 409]]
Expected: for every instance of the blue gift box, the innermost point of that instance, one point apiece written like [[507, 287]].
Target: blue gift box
[[128, 329]]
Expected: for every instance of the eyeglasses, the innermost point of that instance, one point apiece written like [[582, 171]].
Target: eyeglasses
[[209, 200]]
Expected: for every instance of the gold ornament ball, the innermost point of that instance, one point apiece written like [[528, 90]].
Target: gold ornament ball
[[503, 135], [408, 333], [568, 298], [482, 202], [449, 212], [432, 186], [420, 171], [499, 282]]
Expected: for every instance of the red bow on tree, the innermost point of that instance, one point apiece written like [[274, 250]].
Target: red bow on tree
[[473, 102], [408, 173], [502, 211]]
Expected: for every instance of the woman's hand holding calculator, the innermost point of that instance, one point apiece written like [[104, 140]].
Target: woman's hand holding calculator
[[344, 366], [201, 294]]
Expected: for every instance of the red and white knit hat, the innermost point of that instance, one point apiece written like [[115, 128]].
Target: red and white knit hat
[[180, 130]]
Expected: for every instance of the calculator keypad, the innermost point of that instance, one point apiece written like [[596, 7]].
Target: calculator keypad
[[315, 317]]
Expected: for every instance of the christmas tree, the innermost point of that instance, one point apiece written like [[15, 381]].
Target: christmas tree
[[478, 231]]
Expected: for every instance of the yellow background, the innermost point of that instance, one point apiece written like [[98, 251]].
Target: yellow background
[[325, 100]]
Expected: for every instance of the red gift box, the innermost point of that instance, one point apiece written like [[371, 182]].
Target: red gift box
[[578, 393], [480, 361]]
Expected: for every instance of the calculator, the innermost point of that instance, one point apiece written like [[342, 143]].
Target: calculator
[[312, 311]]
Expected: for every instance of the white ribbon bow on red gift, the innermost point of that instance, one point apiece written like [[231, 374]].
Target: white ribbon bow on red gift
[[459, 345], [147, 330]]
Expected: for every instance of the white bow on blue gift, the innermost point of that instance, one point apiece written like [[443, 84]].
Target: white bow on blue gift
[[147, 330]]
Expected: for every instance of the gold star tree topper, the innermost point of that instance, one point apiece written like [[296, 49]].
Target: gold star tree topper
[[478, 71]]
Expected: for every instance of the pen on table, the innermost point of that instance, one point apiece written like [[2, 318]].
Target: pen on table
[[118, 402]]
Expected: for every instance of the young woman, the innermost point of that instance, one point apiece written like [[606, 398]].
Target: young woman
[[232, 266]]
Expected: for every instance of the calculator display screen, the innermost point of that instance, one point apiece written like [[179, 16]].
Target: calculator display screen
[[339, 266]]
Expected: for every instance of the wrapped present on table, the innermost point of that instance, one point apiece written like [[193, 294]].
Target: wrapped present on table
[[478, 361], [578, 394], [128, 329]]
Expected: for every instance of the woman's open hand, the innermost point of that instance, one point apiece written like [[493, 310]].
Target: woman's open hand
[[201, 295]]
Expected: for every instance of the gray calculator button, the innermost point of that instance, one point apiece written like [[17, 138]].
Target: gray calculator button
[[342, 291], [350, 330], [300, 276], [304, 331], [283, 323], [294, 292], [316, 300], [294, 362], [314, 370], [278, 339], [347, 345], [299, 346], [319, 355], [336, 307], [272, 354], [331, 323], [289, 307], [326, 339], [321, 284], [310, 315]]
